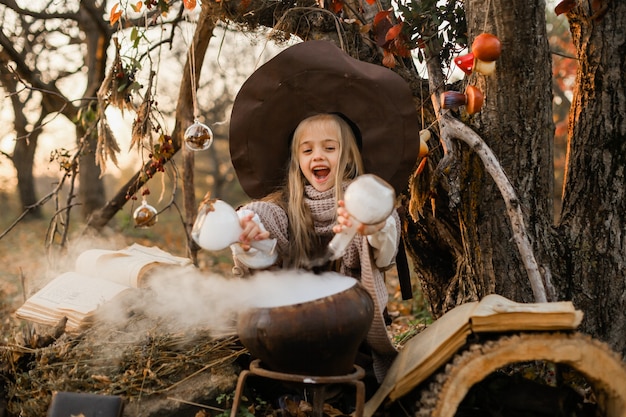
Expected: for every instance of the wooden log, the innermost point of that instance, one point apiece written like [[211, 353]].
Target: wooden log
[[602, 368]]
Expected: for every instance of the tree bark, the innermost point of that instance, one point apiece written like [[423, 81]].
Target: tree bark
[[468, 368], [91, 188], [516, 123], [185, 117], [23, 159], [97, 39], [25, 143], [462, 241], [594, 204]]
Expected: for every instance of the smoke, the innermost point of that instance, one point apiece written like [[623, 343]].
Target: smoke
[[190, 300]]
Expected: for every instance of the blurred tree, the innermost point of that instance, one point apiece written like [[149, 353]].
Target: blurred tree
[[564, 77], [25, 144], [46, 51]]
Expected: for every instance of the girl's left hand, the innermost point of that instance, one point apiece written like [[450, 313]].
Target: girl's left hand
[[344, 221]]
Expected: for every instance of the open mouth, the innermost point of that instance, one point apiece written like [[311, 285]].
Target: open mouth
[[321, 173]]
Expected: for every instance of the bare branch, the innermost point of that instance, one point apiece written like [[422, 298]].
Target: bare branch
[[53, 100], [12, 4]]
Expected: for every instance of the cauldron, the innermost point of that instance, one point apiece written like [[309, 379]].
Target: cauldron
[[316, 337]]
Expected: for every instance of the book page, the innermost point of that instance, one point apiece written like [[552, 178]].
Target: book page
[[72, 292], [423, 354], [155, 253], [497, 313], [126, 266], [109, 265]]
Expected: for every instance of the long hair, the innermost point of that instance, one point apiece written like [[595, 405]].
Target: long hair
[[303, 240]]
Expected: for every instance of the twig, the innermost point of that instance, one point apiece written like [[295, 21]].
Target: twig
[[204, 368], [208, 407], [307, 10]]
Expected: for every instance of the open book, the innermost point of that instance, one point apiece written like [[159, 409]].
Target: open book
[[99, 276], [426, 352]]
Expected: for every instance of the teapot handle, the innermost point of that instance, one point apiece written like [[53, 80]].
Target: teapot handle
[[267, 246]]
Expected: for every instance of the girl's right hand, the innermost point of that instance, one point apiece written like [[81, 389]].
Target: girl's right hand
[[251, 231], [344, 221]]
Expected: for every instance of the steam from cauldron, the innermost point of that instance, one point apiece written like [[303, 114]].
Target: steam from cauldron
[[193, 300]]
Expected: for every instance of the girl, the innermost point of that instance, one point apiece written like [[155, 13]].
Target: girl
[[306, 213]]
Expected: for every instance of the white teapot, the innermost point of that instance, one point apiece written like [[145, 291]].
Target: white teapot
[[369, 200], [217, 227]]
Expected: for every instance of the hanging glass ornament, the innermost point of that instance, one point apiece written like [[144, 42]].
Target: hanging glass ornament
[[145, 215], [198, 137]]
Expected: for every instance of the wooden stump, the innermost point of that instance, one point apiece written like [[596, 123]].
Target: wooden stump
[[601, 367]]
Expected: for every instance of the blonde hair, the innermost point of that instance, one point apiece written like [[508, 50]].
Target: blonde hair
[[304, 241]]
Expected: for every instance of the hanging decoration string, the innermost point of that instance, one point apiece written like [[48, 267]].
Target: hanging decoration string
[[422, 104], [198, 136], [192, 70], [486, 15]]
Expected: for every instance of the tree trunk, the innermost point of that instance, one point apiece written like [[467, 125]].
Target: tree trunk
[[97, 39], [520, 131], [600, 366], [462, 244], [91, 189], [26, 142], [23, 158], [594, 205]]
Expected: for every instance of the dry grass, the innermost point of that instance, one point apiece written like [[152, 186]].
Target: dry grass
[[126, 359]]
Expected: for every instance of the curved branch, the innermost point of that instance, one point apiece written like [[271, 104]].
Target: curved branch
[[456, 129], [452, 128]]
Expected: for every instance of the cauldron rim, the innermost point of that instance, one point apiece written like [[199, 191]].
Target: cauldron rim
[[352, 282]]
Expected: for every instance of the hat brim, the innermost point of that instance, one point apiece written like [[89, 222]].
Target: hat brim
[[315, 77]]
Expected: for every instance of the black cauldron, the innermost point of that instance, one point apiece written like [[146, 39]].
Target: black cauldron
[[320, 337]]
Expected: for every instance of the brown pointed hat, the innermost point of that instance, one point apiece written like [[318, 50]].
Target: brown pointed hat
[[315, 77]]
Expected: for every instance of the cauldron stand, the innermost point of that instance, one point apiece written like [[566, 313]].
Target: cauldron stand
[[318, 382]]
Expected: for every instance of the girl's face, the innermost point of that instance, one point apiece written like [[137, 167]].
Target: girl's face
[[318, 154]]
